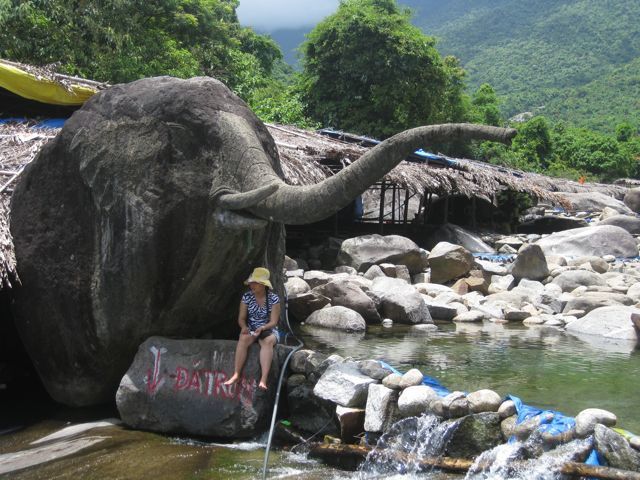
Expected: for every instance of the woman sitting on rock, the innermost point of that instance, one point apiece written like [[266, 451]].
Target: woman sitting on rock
[[258, 319]]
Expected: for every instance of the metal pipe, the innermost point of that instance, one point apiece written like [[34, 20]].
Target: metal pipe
[[282, 372]]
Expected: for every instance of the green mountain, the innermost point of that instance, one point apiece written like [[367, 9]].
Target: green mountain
[[573, 60]]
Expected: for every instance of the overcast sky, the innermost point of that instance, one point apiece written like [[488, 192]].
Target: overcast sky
[[270, 15]]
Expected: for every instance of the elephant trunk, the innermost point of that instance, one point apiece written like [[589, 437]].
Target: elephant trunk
[[300, 205]]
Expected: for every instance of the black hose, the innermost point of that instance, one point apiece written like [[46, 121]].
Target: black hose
[[282, 372]]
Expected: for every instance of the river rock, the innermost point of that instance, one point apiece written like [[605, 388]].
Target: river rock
[[411, 378], [530, 263], [484, 401], [630, 223], [296, 286], [373, 271], [415, 400], [596, 240], [572, 279], [346, 269], [177, 386], [302, 400], [470, 316], [374, 369], [551, 224], [362, 252], [303, 305], [632, 199], [589, 301], [342, 383], [346, 294], [634, 292], [615, 449], [392, 381], [441, 311], [595, 202], [455, 405], [340, 318], [473, 435], [315, 278], [298, 360], [609, 322], [457, 235], [587, 419], [351, 422], [501, 283], [449, 261], [382, 408], [597, 264], [401, 302], [506, 409], [432, 289]]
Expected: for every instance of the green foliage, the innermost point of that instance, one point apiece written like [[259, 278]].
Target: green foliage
[[280, 103], [485, 106], [368, 70], [123, 40], [572, 60]]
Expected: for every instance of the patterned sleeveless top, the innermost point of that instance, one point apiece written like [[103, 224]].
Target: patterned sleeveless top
[[258, 316]]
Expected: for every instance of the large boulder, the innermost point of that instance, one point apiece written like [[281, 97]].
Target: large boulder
[[458, 236], [177, 386], [365, 251], [400, 301], [613, 322], [349, 295], [338, 318], [594, 202], [632, 200], [630, 223], [550, 224], [449, 261], [597, 240], [115, 233], [530, 263]]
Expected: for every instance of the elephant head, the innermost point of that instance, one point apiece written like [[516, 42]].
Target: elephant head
[[146, 213]]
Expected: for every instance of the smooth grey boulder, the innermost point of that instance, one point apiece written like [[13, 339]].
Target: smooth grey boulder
[[315, 278], [550, 224], [594, 202], [339, 318], [597, 264], [597, 240], [374, 369], [373, 271], [344, 384], [449, 261], [400, 301], [367, 250], [457, 235], [296, 286], [304, 304], [630, 223], [615, 449], [415, 400], [609, 322], [177, 386], [572, 279], [382, 408], [484, 401], [411, 378], [346, 294], [632, 199], [351, 422], [589, 301], [530, 263], [392, 381], [587, 419]]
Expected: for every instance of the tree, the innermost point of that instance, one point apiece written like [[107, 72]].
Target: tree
[[123, 40], [366, 69], [485, 106]]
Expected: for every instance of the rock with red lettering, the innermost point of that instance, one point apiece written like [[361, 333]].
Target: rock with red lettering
[[177, 386]]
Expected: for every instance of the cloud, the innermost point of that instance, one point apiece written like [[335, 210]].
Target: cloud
[[270, 15]]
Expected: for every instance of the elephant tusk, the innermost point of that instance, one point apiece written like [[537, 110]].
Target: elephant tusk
[[231, 200]]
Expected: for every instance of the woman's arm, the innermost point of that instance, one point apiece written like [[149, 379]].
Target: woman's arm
[[242, 318]]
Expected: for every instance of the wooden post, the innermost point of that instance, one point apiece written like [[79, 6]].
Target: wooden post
[[406, 205]]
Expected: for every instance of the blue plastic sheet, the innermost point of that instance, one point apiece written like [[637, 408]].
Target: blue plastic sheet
[[42, 124], [426, 380]]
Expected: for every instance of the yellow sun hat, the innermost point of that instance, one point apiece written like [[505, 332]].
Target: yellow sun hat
[[259, 275]]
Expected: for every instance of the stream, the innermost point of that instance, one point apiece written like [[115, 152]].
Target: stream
[[545, 367]]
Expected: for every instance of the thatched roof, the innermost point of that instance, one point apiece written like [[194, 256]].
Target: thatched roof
[[306, 157]]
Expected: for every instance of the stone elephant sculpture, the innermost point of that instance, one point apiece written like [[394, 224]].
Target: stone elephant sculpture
[[145, 214]]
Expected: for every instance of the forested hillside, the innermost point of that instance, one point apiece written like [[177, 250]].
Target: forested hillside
[[572, 60]]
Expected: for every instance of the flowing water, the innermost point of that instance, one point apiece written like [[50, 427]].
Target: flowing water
[[545, 367]]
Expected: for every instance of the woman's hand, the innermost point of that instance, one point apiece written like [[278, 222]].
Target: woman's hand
[[244, 331], [258, 331]]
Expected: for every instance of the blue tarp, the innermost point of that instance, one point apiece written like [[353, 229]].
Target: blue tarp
[[426, 380], [42, 124]]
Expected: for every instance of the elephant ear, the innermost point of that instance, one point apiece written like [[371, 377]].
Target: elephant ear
[[307, 204]]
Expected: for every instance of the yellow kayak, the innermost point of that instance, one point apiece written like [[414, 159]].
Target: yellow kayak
[[28, 85]]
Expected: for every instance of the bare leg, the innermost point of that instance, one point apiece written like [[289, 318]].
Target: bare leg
[[266, 355], [244, 342]]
